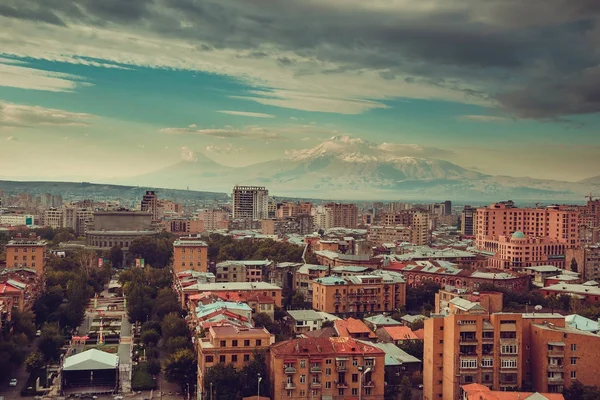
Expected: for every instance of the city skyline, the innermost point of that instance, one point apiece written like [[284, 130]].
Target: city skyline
[[97, 92]]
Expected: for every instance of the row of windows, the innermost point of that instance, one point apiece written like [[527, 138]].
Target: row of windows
[[24, 258], [341, 392], [234, 343]]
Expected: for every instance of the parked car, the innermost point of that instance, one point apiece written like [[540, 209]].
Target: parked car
[[13, 382], [38, 333]]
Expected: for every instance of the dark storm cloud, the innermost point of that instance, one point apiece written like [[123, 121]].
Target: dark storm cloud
[[535, 58]]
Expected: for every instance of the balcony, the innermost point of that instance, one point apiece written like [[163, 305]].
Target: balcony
[[316, 369], [468, 341], [556, 353], [488, 340], [341, 368], [341, 385], [369, 384], [315, 385], [556, 381], [290, 370], [289, 385], [555, 368]]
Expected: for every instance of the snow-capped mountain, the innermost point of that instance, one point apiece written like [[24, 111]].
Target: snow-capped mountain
[[345, 167]]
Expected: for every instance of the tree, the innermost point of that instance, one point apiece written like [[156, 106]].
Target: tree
[[180, 367], [405, 389], [150, 337], [173, 325], [139, 304], [23, 323], [151, 326], [166, 302], [418, 324], [574, 266], [421, 296], [34, 362], [156, 252], [263, 320], [413, 347], [115, 256], [153, 366], [176, 343], [51, 342], [226, 382], [87, 260], [298, 301]]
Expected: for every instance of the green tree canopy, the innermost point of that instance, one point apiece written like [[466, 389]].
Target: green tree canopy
[[150, 337], [51, 342], [115, 256], [34, 362], [176, 343], [226, 382], [180, 367], [172, 326]]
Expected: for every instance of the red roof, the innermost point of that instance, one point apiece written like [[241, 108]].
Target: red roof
[[475, 391], [8, 289], [351, 327], [400, 333], [245, 297], [323, 346], [420, 333]]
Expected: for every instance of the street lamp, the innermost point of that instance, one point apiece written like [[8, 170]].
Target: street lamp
[[259, 379], [362, 374], [211, 392]]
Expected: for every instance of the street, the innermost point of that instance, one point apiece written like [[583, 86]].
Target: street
[[20, 374]]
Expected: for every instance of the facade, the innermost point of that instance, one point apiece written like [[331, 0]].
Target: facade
[[17, 219], [214, 219], [301, 224], [229, 345], [468, 219], [77, 218], [326, 368], [503, 219], [26, 253], [369, 293], [150, 204], [241, 271], [190, 253], [302, 321], [518, 251], [192, 286], [53, 217], [396, 234], [491, 301], [250, 202], [588, 292], [587, 260], [342, 215], [183, 226]]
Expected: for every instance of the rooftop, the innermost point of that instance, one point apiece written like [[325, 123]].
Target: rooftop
[[475, 391], [352, 326], [394, 356], [581, 323], [228, 330], [382, 319], [574, 288], [304, 315], [400, 333], [232, 286], [91, 360], [338, 346]]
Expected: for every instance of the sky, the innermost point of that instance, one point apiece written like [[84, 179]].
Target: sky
[[98, 90]]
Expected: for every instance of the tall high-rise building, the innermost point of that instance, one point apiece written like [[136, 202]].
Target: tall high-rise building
[[150, 204], [468, 219], [342, 215], [447, 207], [250, 202]]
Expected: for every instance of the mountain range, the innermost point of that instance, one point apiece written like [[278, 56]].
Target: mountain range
[[345, 167]]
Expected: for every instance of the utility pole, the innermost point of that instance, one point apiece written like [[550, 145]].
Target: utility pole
[[258, 392]]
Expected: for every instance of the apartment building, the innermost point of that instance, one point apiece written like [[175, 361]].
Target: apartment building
[[587, 261], [503, 219], [491, 301], [77, 218], [241, 271], [342, 215], [53, 217], [588, 292], [468, 221], [190, 253], [26, 253], [150, 204], [519, 251], [189, 286], [250, 202], [183, 226], [379, 235], [214, 219], [326, 368], [290, 209], [229, 345], [355, 295]]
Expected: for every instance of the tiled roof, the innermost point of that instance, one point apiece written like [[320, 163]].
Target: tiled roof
[[475, 391], [304, 315], [331, 346], [420, 333], [400, 333], [321, 333], [228, 330], [352, 326], [382, 319], [394, 355]]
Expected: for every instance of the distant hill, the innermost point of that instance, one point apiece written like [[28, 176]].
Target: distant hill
[[594, 180]]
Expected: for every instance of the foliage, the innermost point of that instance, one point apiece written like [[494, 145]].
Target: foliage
[[115, 255], [151, 326], [166, 302], [180, 367], [223, 248], [405, 389], [591, 312], [34, 362], [418, 324], [413, 347], [176, 343], [139, 303], [225, 382], [327, 324], [311, 258], [150, 337], [263, 320], [156, 251], [51, 342], [141, 378], [421, 297], [516, 300], [391, 386], [249, 377], [153, 366], [173, 325], [24, 323], [578, 391]]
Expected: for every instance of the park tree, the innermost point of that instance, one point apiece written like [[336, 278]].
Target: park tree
[[153, 366], [180, 367], [172, 326], [226, 382], [34, 362], [176, 343], [405, 389], [166, 302], [249, 377], [23, 322], [139, 304], [87, 260], [51, 341], [115, 256], [150, 337]]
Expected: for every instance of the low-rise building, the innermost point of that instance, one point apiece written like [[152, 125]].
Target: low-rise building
[[491, 301], [229, 345], [354, 328], [190, 253], [588, 292], [333, 259], [241, 271], [475, 391], [397, 335], [398, 363], [380, 320], [26, 253], [305, 275], [187, 288], [302, 321], [327, 368], [375, 292]]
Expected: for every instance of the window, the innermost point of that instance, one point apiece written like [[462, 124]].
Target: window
[[508, 349], [355, 362], [246, 343], [510, 363], [302, 363], [327, 385], [471, 363], [258, 342], [302, 393], [328, 361], [573, 374], [234, 358], [487, 362], [302, 378], [234, 343], [368, 391], [222, 359], [573, 347], [208, 359], [573, 360], [246, 357], [223, 343], [354, 392], [327, 371], [354, 377], [341, 392]]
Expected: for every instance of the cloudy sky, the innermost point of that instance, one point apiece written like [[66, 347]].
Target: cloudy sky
[[101, 89]]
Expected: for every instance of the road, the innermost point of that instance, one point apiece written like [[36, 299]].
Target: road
[[13, 393]]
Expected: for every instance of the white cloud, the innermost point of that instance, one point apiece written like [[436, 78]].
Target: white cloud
[[248, 132], [18, 115], [21, 77], [11, 138], [483, 118], [226, 149], [187, 154], [246, 114]]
